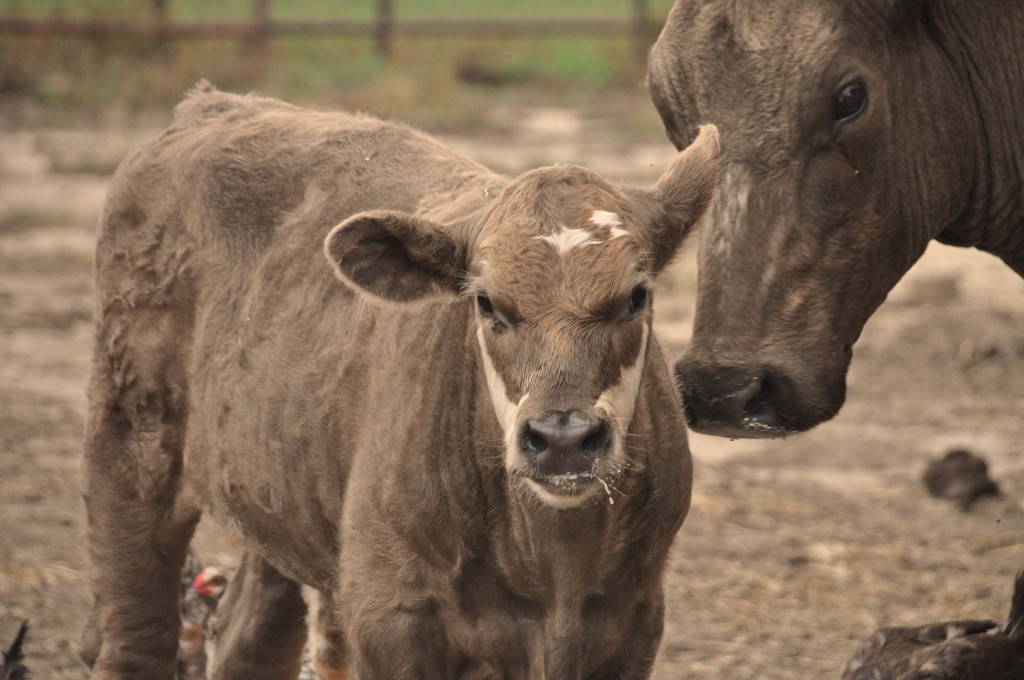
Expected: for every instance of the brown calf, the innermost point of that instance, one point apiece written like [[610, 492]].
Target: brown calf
[[470, 446]]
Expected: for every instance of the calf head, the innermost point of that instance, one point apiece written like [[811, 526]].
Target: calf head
[[559, 274], [839, 162]]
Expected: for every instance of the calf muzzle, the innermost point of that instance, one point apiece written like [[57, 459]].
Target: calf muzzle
[[565, 442]]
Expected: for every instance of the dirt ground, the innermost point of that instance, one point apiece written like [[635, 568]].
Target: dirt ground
[[794, 551]]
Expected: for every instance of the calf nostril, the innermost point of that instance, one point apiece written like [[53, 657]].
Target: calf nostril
[[596, 440], [561, 434], [533, 440]]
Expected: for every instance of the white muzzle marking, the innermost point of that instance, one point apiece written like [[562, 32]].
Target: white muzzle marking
[[505, 410], [619, 400]]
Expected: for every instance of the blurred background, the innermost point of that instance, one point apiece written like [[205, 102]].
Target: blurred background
[[439, 63]]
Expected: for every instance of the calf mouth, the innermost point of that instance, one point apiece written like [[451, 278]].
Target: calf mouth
[[572, 489]]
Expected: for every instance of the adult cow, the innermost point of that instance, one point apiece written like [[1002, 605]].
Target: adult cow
[[853, 132], [470, 445]]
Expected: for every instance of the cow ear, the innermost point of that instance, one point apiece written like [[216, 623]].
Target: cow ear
[[396, 256], [682, 194]]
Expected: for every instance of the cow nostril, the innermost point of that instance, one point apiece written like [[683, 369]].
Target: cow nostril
[[597, 440], [759, 411]]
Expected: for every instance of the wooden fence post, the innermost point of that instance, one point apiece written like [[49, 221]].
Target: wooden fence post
[[640, 37], [261, 29], [383, 33], [161, 42]]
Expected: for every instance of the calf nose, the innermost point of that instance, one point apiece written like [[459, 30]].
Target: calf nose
[[565, 442]]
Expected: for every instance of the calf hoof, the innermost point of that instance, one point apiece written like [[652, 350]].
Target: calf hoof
[[92, 638]]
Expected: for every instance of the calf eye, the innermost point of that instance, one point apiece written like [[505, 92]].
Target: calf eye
[[484, 303], [637, 299], [850, 101]]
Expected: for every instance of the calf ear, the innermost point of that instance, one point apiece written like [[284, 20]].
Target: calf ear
[[682, 194], [396, 256]]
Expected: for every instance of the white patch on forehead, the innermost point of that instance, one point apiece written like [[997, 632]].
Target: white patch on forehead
[[505, 410], [606, 218], [564, 240], [619, 400], [729, 209]]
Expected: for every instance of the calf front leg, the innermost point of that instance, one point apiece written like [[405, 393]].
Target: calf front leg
[[260, 625], [390, 642], [639, 646], [139, 526], [139, 532], [328, 641]]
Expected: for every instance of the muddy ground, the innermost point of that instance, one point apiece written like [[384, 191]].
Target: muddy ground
[[795, 549]]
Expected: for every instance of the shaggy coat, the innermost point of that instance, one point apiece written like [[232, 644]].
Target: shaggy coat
[[427, 391]]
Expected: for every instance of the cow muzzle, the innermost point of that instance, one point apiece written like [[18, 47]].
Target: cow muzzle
[[752, 402]]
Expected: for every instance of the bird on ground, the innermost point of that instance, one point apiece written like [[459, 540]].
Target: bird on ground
[[201, 590]]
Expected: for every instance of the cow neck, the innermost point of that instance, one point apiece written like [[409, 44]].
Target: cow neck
[[994, 218]]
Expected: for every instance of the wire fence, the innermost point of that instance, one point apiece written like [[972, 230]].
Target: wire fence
[[385, 27]]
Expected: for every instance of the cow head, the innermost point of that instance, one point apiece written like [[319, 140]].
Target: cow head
[[559, 274], [843, 152]]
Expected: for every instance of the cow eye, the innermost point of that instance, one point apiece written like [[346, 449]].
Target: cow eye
[[637, 299], [850, 101], [484, 303]]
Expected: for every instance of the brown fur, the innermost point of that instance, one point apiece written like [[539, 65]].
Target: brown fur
[[348, 429], [820, 212]]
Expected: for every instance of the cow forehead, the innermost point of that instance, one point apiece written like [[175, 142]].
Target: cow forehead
[[758, 69], [772, 25]]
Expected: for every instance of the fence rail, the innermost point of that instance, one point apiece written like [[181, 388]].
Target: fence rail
[[382, 29]]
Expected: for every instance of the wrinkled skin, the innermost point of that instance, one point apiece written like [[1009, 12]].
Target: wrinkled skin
[[828, 196]]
